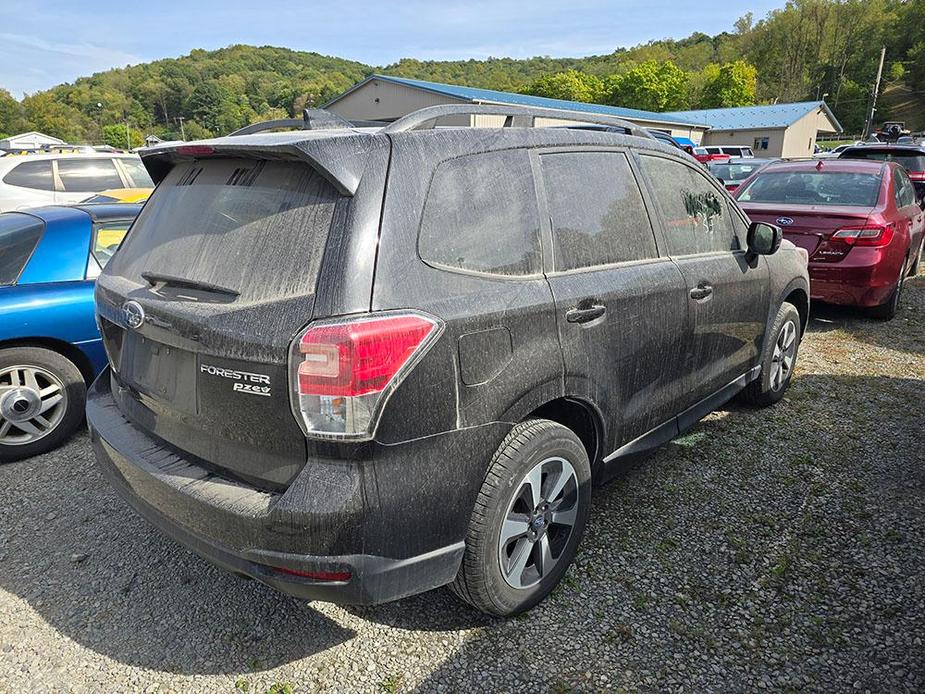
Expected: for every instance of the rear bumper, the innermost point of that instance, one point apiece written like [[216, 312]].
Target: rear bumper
[[250, 531], [865, 277]]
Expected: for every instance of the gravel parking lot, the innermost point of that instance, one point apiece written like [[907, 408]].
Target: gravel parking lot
[[781, 549]]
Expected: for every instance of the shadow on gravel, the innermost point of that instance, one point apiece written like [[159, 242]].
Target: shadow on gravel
[[776, 548], [99, 575], [891, 334]]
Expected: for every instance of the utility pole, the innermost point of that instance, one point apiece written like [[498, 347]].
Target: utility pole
[[869, 124], [182, 132]]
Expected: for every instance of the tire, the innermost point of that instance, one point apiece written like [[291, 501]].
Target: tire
[[559, 455], [42, 398], [887, 310], [776, 374]]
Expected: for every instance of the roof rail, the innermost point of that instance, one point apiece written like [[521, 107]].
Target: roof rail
[[312, 119], [516, 116]]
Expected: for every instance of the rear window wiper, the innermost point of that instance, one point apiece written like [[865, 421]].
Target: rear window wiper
[[158, 278]]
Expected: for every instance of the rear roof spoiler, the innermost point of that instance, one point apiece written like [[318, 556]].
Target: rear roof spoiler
[[338, 155]]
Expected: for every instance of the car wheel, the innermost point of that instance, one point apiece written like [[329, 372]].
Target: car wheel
[[528, 519], [778, 361], [914, 270], [42, 398], [888, 309]]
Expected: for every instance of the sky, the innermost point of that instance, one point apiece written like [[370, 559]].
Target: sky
[[47, 42]]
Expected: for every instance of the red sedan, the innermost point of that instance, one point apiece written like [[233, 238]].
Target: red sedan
[[860, 221]]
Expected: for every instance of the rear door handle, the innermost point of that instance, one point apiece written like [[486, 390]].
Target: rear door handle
[[585, 315], [702, 291]]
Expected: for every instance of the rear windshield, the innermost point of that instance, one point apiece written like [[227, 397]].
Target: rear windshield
[[257, 228], [733, 172], [814, 188], [19, 235], [910, 161]]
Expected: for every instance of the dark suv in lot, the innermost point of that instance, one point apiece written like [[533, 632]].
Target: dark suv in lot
[[357, 364]]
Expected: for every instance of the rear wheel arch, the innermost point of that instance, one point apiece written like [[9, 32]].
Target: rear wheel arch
[[65, 349], [582, 418]]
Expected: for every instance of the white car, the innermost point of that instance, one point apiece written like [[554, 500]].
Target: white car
[[33, 180], [833, 153], [741, 151]]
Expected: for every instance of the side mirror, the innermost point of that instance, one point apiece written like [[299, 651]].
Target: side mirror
[[763, 239]]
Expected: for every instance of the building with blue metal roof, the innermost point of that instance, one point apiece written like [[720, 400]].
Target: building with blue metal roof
[[774, 130], [777, 130], [386, 98]]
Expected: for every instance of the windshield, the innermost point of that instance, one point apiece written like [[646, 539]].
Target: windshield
[[734, 172], [910, 161], [256, 227], [814, 188]]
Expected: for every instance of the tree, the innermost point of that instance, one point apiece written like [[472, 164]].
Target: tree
[[115, 136], [571, 85], [651, 85], [12, 120], [730, 84]]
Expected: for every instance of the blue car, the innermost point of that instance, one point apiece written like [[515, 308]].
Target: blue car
[[50, 347]]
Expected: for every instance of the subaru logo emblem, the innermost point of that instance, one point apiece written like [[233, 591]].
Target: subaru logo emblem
[[133, 314], [785, 221]]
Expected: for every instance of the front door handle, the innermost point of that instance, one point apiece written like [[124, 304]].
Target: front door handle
[[701, 291], [585, 315]]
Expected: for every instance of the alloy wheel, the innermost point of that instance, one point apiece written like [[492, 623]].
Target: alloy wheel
[[32, 403], [784, 353], [538, 523]]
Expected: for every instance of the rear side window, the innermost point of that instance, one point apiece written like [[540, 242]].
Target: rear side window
[[19, 235], [598, 216], [88, 175], [106, 240], [31, 174], [481, 216], [137, 172], [697, 219], [904, 189], [257, 228]]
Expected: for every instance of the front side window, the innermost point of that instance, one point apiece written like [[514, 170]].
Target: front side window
[[597, 213], [481, 216], [88, 175], [697, 219], [106, 240], [19, 235], [31, 174]]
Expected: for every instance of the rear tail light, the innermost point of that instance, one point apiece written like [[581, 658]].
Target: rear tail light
[[343, 371], [918, 176], [865, 235], [196, 150]]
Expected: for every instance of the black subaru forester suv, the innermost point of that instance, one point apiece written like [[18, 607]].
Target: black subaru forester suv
[[361, 363]]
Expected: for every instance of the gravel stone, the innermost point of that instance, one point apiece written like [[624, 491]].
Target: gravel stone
[[779, 549]]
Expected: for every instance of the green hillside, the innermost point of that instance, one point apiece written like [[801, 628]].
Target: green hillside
[[804, 50]]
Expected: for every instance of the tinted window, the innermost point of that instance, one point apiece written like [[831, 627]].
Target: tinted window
[[904, 189], [88, 175], [481, 215], [19, 235], [106, 240], [258, 228], [813, 188], [911, 161], [137, 172], [597, 213], [696, 215], [32, 174]]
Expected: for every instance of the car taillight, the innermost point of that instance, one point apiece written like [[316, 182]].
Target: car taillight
[[196, 150], [918, 176], [344, 370], [865, 235]]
